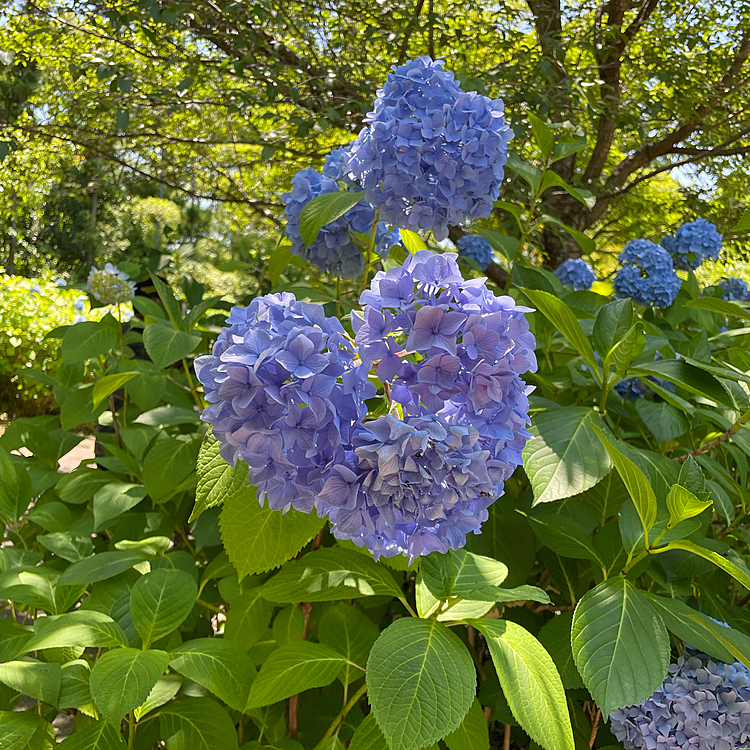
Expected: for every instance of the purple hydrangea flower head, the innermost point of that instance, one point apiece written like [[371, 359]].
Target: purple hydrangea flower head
[[735, 290], [476, 248], [646, 274], [630, 390], [577, 273], [703, 704], [285, 394], [693, 243], [451, 355], [432, 155], [335, 250]]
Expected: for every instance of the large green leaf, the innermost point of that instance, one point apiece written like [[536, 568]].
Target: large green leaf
[[88, 340], [248, 618], [122, 679], [164, 690], [460, 573], [665, 421], [80, 628], [167, 465], [555, 637], [473, 732], [197, 724], [292, 669], [619, 664], [26, 730], [13, 639], [714, 557], [350, 632], [33, 678], [720, 306], [106, 386], [368, 736], [328, 575], [421, 682], [322, 210], [101, 566], [166, 345], [217, 480], [258, 539], [563, 457], [160, 601], [100, 735], [114, 499], [684, 504], [530, 682], [219, 665], [564, 319], [75, 691], [565, 537], [686, 376]]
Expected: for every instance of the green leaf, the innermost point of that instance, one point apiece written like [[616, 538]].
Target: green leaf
[[619, 664], [292, 669], [664, 421], [197, 312], [79, 628], [421, 682], [563, 457], [514, 209], [684, 375], [160, 601], [78, 408], [88, 340], [504, 244], [460, 573], [122, 679], [101, 566], [473, 732], [197, 724], [278, 261], [412, 241], [585, 197], [720, 306], [566, 148], [67, 545], [542, 135], [565, 537], [33, 678], [165, 689], [258, 539], [612, 322], [165, 345], [167, 465], [714, 557], [330, 574], [112, 500], [684, 504], [26, 730], [564, 319], [637, 483], [218, 665], [368, 736], [74, 686], [524, 169], [322, 210], [555, 637], [171, 305], [530, 683], [350, 632], [106, 386], [98, 736], [13, 639], [586, 243], [248, 618], [217, 480]]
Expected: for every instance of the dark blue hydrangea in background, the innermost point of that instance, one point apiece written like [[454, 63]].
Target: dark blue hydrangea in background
[[646, 274], [476, 248], [735, 290], [692, 244], [432, 155], [703, 704], [577, 273], [631, 390]]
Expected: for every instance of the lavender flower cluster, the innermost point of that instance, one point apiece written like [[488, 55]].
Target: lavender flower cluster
[[646, 274], [475, 248], [110, 286], [431, 154], [577, 273], [735, 290], [702, 705], [287, 393], [693, 243]]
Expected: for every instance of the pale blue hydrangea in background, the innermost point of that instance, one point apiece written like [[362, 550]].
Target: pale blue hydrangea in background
[[692, 244], [432, 155], [79, 305], [735, 290], [577, 273], [646, 274], [476, 248], [61, 282], [110, 286], [703, 704]]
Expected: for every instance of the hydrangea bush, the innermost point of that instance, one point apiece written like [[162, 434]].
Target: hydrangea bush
[[576, 273], [419, 510], [692, 244]]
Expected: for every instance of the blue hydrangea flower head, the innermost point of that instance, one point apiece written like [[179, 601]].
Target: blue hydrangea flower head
[[703, 704], [432, 155], [335, 250], [79, 305], [110, 286], [61, 282], [692, 244], [451, 355], [336, 167], [646, 274], [476, 248], [735, 290], [285, 394], [577, 273]]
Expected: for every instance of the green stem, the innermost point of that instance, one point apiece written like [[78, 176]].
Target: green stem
[[193, 389], [338, 296], [406, 604], [370, 250], [343, 714], [132, 726]]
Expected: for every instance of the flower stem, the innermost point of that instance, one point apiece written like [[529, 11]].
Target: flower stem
[[343, 713]]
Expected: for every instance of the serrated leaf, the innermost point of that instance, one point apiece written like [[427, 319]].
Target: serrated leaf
[[160, 601], [33, 678], [683, 504], [25, 730], [79, 628], [368, 736], [586, 243], [618, 664], [322, 210], [506, 245], [460, 573], [585, 197], [106, 386], [88, 340], [98, 736], [278, 261], [197, 724], [167, 465], [259, 539], [565, 537], [412, 241], [685, 375], [564, 457], [165, 689], [719, 306], [421, 682], [714, 557], [217, 480], [350, 632], [473, 732], [293, 668], [555, 637], [330, 574], [664, 421], [543, 136], [114, 499], [530, 683], [101, 566], [165, 345]]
